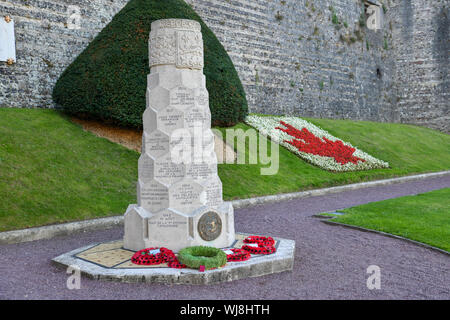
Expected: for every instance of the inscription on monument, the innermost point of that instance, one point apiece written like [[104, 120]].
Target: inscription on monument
[[201, 97], [170, 119], [168, 220], [187, 196], [178, 23], [166, 171], [201, 171], [213, 192], [156, 143], [182, 97], [154, 197], [195, 116], [145, 167]]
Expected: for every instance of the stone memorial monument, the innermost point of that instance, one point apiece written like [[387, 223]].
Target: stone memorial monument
[[179, 191]]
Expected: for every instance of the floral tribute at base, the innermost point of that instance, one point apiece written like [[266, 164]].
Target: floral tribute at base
[[314, 144], [205, 258], [259, 245], [202, 257], [154, 256], [238, 255]]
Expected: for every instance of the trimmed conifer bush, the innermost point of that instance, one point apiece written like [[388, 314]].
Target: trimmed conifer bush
[[108, 80]]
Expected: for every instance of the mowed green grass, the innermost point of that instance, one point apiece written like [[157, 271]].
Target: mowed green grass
[[52, 171], [424, 217]]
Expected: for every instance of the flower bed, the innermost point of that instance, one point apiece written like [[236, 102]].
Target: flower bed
[[314, 144]]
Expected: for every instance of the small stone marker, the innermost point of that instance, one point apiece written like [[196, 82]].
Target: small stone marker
[[179, 191], [7, 40]]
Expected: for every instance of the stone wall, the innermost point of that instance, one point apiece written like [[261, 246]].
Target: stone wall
[[292, 57], [421, 51], [45, 45]]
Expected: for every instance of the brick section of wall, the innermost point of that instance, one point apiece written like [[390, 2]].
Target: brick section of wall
[[290, 56]]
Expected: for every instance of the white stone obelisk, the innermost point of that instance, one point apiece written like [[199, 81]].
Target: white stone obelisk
[[179, 191]]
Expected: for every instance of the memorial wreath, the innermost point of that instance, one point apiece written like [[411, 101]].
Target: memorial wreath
[[202, 256], [154, 256]]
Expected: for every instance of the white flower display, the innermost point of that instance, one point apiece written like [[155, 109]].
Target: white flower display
[[267, 125]]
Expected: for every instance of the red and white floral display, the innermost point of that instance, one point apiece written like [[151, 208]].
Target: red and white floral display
[[314, 144]]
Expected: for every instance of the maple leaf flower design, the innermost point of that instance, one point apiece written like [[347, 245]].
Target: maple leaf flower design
[[307, 142]]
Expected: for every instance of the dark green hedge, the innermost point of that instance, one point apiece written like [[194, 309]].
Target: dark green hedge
[[108, 80]]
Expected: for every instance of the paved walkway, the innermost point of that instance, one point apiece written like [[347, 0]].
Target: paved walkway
[[330, 261]]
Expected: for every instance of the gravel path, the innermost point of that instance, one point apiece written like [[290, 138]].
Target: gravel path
[[330, 261]]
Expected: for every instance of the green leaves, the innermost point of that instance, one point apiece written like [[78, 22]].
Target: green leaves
[[108, 80]]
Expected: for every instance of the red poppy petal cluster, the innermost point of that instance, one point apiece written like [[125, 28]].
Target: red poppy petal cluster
[[266, 241], [144, 257], [307, 142], [266, 245], [238, 255]]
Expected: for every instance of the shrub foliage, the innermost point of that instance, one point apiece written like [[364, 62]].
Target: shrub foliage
[[108, 79]]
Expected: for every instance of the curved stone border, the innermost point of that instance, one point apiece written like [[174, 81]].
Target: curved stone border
[[328, 220], [320, 192], [47, 232], [282, 260], [63, 229]]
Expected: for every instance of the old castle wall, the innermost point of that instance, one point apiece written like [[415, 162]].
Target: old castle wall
[[292, 56]]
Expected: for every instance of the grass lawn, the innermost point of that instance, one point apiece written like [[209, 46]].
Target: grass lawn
[[424, 217], [52, 171]]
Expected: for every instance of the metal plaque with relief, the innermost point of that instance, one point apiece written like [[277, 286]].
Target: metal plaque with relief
[[209, 226]]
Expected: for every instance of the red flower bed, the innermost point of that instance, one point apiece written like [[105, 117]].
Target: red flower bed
[[307, 142]]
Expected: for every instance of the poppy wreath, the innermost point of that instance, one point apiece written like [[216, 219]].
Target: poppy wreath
[[238, 255], [198, 256], [144, 257], [265, 245], [265, 241]]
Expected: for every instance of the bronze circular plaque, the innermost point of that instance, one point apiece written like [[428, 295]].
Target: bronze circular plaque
[[210, 226]]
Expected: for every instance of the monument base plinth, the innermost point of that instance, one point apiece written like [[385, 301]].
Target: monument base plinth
[[206, 226], [111, 261]]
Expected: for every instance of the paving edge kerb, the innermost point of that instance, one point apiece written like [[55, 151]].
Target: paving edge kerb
[[48, 232]]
